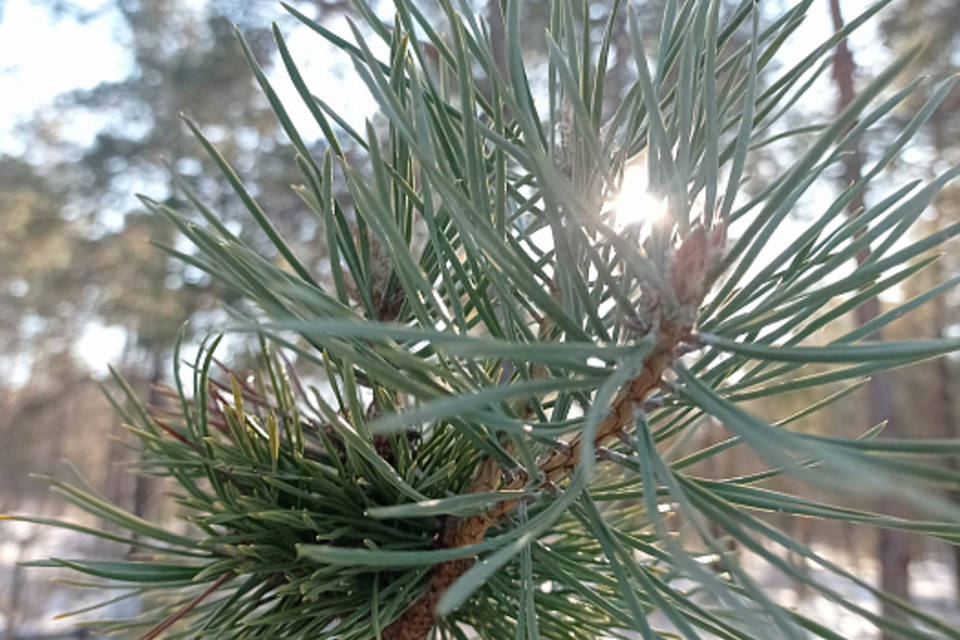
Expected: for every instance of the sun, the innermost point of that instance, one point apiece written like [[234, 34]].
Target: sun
[[634, 205]]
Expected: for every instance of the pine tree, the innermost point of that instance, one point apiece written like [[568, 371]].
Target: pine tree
[[511, 375]]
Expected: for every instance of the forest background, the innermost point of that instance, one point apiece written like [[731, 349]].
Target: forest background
[[90, 97]]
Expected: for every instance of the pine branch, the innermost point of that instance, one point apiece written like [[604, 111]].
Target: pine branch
[[691, 267], [484, 314]]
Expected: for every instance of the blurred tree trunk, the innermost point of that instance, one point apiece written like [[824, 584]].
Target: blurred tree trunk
[[14, 600], [144, 487], [944, 382], [947, 419], [893, 547]]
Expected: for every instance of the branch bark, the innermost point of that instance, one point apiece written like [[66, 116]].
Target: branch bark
[[893, 547], [688, 275]]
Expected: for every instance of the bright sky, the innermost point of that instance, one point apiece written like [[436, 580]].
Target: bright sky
[[42, 57], [80, 56], [77, 56]]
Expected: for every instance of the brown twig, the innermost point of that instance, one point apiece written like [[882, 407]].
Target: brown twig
[[690, 269], [185, 609]]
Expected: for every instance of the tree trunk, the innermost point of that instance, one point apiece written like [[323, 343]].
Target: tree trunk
[[893, 547], [944, 380], [946, 419], [144, 485]]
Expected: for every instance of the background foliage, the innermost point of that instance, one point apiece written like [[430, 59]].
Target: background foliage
[[52, 283]]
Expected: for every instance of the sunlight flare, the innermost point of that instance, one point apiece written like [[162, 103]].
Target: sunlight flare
[[634, 205]]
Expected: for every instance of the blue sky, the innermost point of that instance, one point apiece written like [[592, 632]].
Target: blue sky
[[41, 57]]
